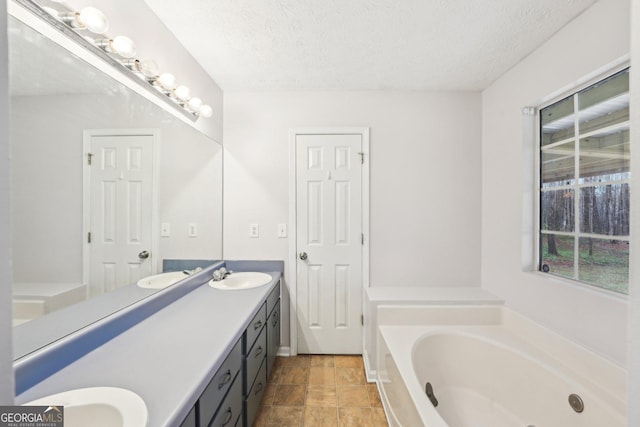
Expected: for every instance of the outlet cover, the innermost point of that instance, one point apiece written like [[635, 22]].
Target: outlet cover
[[254, 230], [165, 229]]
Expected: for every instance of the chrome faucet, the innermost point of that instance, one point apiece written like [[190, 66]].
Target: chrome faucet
[[221, 274], [194, 271]]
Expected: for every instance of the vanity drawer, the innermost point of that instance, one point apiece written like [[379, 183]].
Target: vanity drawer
[[220, 384], [273, 337], [231, 407], [255, 327], [253, 398], [253, 360], [273, 298]]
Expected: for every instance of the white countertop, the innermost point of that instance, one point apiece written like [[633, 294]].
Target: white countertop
[[168, 358]]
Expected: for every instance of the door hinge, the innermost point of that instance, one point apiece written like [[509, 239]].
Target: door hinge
[[89, 158], [89, 237], [361, 154], [362, 239], [362, 319]]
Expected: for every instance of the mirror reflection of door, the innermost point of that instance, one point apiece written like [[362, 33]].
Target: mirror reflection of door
[[117, 208]]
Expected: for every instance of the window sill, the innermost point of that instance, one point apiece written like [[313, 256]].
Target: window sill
[[581, 286]]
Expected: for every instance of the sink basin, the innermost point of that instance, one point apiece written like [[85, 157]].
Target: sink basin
[[162, 280], [98, 407], [242, 280]]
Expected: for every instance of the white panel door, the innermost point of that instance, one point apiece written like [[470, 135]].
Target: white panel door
[[329, 243], [120, 210]]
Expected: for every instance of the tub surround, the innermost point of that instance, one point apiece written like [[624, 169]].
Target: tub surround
[[166, 348], [38, 332], [396, 299], [31, 300]]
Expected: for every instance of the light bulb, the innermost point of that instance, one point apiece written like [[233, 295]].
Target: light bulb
[[205, 111], [195, 104], [123, 46], [183, 93], [93, 20], [148, 67], [167, 81]]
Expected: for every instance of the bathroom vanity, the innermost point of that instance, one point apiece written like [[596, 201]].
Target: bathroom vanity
[[233, 396], [201, 360]]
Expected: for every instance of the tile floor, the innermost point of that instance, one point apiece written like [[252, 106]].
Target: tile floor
[[320, 390]]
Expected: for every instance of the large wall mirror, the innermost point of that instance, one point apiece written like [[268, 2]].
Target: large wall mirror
[[65, 114]]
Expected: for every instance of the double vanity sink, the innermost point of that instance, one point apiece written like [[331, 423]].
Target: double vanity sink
[[243, 280], [153, 373], [97, 407], [234, 281], [162, 280]]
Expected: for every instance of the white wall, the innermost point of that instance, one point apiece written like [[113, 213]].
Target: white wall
[[6, 366], [425, 178], [592, 318]]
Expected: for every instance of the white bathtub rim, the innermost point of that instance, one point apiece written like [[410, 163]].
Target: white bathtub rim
[[397, 337], [403, 361], [508, 343], [603, 373]]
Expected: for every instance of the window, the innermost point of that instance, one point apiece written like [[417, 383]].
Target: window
[[584, 185]]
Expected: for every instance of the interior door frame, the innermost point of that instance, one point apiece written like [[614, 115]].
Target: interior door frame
[[292, 279], [87, 135]]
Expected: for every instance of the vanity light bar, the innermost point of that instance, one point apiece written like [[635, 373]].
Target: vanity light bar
[[91, 25]]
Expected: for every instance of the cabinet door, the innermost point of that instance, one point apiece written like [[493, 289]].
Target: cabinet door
[[254, 328], [273, 298], [230, 408], [220, 384], [254, 397], [273, 337], [253, 360]]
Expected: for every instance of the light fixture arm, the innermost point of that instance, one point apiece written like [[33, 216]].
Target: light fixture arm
[[118, 52]]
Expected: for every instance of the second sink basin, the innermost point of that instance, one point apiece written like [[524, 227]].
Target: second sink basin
[[97, 407], [242, 280], [162, 280]]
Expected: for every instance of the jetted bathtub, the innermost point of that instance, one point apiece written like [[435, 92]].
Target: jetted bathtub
[[501, 371]]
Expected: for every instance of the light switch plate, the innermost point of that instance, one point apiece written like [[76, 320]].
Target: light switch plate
[[165, 229], [254, 230], [192, 230], [282, 230]]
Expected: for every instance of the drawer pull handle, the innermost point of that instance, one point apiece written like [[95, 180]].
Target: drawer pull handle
[[257, 325], [258, 389], [228, 416], [275, 319], [258, 352], [225, 379]]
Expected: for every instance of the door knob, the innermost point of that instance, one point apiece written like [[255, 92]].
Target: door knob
[[143, 255], [303, 255]]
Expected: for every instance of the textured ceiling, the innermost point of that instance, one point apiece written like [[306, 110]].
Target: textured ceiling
[[362, 44]]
